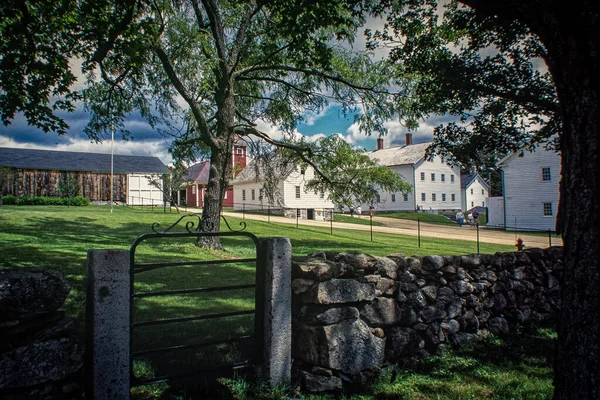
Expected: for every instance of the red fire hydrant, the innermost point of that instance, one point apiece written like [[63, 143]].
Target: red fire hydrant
[[520, 244]]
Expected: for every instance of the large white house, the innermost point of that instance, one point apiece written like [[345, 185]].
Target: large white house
[[474, 191], [435, 184], [291, 198], [530, 189]]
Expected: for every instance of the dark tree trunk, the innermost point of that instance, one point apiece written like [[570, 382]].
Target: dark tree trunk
[[573, 60]]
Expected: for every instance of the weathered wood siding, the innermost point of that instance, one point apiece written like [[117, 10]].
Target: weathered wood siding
[[95, 186]]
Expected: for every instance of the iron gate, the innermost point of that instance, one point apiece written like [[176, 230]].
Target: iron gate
[[253, 346]]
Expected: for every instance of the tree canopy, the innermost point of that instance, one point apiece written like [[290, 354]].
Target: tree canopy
[[488, 73]]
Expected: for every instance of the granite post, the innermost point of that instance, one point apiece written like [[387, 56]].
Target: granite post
[[108, 324], [275, 257]]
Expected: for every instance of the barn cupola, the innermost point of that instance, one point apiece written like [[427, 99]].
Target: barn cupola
[[238, 156]]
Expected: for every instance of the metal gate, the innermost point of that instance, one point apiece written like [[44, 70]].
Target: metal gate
[[193, 355]]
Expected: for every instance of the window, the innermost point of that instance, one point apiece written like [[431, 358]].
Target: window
[[377, 198], [432, 196], [253, 194], [423, 197], [483, 204], [297, 192], [546, 176], [240, 152], [482, 191], [443, 196], [194, 189], [471, 191], [405, 196], [225, 195], [453, 197], [443, 177], [260, 194], [422, 176], [452, 178], [547, 209], [244, 195], [302, 169], [472, 204], [322, 195], [393, 197], [432, 177]]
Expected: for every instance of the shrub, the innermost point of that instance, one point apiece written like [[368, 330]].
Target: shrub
[[47, 201], [9, 200]]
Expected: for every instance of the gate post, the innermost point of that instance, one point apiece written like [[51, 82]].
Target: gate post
[[275, 256], [108, 325]]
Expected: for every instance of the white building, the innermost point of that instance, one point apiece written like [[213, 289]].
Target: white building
[[290, 195], [435, 184], [531, 189], [474, 191]]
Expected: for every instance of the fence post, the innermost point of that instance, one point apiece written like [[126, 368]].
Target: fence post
[[371, 223], [269, 213], [297, 216], [477, 226], [275, 260], [331, 222], [419, 230], [549, 238], [243, 210], [108, 325]]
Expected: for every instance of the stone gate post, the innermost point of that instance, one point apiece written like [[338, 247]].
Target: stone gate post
[[108, 325], [275, 256]]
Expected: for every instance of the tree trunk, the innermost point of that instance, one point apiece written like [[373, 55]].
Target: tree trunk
[[572, 43]]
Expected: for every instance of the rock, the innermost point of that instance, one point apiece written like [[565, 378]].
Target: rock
[[462, 287], [469, 322], [408, 287], [300, 286], [433, 336], [452, 326], [417, 300], [321, 371], [462, 338], [381, 312], [421, 282], [386, 267], [348, 346], [519, 273], [414, 265], [432, 263], [317, 383], [336, 291], [382, 285], [454, 309], [380, 333], [500, 302], [318, 316], [403, 342], [315, 269], [400, 261], [445, 295], [318, 254], [430, 293], [40, 362], [406, 277], [498, 326], [432, 313], [409, 317], [26, 292], [471, 261]]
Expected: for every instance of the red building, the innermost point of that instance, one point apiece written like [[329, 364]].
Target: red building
[[193, 195]]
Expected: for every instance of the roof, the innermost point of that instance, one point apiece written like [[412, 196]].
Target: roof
[[405, 155], [74, 161], [466, 180], [262, 167], [199, 173]]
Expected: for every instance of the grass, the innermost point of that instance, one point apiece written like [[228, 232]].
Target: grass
[[362, 220], [424, 217], [59, 238]]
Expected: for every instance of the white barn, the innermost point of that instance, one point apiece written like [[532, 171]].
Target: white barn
[[436, 185], [474, 191], [291, 196], [531, 189]]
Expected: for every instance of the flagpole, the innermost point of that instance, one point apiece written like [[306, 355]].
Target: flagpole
[[112, 143]]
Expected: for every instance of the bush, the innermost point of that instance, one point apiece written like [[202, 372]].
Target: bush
[[9, 200], [46, 201]]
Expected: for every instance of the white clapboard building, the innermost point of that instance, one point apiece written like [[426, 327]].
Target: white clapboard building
[[435, 184]]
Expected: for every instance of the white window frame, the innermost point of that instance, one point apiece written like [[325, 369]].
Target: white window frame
[[546, 174], [297, 192], [423, 196], [547, 209]]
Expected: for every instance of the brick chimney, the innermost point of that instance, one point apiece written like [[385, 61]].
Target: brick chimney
[[408, 139], [380, 144]]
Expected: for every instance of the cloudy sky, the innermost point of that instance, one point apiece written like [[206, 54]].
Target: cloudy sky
[[148, 142]]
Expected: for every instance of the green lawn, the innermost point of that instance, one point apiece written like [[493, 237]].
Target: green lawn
[[360, 220], [424, 217], [59, 238]]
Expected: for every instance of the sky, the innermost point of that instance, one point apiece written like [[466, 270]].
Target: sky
[[147, 142]]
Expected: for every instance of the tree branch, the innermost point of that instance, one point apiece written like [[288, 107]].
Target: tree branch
[[241, 34]]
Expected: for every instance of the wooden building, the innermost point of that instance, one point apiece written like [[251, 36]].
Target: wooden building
[[39, 172]]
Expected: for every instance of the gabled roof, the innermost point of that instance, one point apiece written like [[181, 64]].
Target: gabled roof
[[466, 180], [74, 161], [405, 155], [258, 169], [199, 173]]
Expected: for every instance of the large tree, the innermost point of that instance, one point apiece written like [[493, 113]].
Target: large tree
[[206, 71], [488, 78]]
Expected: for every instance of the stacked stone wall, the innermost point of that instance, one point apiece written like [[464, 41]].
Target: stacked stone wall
[[353, 312], [39, 355]]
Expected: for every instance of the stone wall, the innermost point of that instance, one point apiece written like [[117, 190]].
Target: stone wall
[[354, 312], [39, 356]]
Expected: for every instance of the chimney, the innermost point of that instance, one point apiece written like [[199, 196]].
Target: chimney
[[408, 139], [380, 144]]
